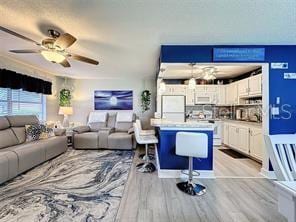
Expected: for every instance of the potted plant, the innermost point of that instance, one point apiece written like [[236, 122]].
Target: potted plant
[[145, 100], [65, 97]]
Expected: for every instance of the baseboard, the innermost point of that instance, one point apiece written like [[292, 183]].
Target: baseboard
[[268, 174], [162, 173]]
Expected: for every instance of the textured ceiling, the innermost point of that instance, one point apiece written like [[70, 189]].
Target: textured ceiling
[[125, 35]]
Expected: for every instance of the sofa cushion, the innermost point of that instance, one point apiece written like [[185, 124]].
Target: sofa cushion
[[111, 120], [124, 116], [120, 140], [8, 165], [89, 140], [123, 126], [4, 124], [29, 154], [95, 127], [20, 133], [95, 117], [54, 146], [22, 120], [7, 138]]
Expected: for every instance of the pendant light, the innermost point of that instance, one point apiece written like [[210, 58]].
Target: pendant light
[[192, 81]]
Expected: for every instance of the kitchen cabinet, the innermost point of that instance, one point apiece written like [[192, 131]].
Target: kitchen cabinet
[[250, 87], [255, 85], [256, 143], [211, 88], [220, 95], [200, 89], [243, 87], [243, 139], [226, 133], [190, 97], [175, 90], [233, 136], [231, 94]]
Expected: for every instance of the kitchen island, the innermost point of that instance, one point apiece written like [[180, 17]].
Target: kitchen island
[[169, 165]]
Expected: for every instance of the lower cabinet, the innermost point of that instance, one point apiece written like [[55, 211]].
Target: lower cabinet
[[256, 143], [244, 138]]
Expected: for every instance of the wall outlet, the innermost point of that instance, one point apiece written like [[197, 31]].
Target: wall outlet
[[278, 100]]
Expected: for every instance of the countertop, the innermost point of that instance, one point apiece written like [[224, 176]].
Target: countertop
[[167, 124]]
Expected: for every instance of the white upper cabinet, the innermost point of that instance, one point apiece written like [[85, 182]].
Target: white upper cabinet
[[221, 95], [175, 90], [250, 87], [200, 89], [231, 94], [243, 87], [255, 85]]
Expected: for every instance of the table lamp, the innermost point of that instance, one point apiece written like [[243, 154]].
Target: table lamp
[[65, 110]]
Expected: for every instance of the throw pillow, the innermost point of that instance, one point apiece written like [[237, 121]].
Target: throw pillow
[[33, 132]]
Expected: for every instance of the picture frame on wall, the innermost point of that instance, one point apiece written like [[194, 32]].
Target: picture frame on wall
[[113, 100]]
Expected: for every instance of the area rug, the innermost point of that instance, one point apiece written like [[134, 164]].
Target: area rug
[[234, 154], [80, 185]]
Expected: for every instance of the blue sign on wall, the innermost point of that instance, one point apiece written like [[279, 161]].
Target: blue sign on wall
[[239, 54]]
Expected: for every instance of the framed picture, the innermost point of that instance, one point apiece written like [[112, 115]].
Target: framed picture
[[113, 99]]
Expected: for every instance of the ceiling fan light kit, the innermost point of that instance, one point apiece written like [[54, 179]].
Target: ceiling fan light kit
[[53, 56], [53, 48]]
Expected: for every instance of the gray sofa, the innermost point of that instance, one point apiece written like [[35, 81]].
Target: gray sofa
[[109, 134], [17, 155]]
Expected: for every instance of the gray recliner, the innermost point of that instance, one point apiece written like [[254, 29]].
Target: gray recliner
[[108, 134], [17, 155]]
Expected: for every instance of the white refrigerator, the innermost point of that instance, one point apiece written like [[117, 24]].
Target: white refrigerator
[[173, 108]]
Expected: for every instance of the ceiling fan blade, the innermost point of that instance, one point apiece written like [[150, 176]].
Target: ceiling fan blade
[[25, 51], [83, 59], [64, 41], [18, 35], [65, 63]]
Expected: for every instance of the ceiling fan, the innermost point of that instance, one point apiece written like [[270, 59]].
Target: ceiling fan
[[53, 49]]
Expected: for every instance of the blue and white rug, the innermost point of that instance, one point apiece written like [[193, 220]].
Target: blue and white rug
[[80, 185]]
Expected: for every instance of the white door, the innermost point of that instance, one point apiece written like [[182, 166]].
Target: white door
[[243, 139], [256, 143], [255, 85], [234, 93], [243, 88], [179, 90]]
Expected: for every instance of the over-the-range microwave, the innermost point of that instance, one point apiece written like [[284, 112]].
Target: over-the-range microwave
[[204, 98]]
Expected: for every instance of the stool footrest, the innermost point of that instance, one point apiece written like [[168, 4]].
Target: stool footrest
[[191, 188]]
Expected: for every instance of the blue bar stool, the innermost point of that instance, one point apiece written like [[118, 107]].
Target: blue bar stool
[[192, 145]]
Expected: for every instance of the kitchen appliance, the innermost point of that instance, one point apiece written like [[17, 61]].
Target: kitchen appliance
[[204, 98], [238, 114], [173, 108]]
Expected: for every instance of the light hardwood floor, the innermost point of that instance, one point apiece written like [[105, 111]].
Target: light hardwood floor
[[148, 198], [226, 166]]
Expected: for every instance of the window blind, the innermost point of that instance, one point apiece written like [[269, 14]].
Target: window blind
[[19, 102]]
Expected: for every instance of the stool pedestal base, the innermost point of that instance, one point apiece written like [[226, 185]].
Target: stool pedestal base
[[146, 167], [191, 188]]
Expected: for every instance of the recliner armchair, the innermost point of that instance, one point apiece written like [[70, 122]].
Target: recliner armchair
[[106, 131]]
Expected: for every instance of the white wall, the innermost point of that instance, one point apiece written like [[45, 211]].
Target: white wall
[[83, 96]]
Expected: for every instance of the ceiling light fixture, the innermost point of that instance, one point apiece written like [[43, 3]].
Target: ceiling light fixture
[[53, 56], [192, 81], [209, 73]]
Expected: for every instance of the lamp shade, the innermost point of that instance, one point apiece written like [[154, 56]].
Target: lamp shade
[[65, 110]]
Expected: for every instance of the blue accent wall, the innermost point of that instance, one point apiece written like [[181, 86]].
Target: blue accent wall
[[278, 86]]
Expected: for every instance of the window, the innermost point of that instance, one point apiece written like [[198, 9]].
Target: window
[[19, 102]]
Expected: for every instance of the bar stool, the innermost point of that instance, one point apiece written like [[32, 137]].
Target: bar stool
[[145, 133], [147, 166], [192, 145]]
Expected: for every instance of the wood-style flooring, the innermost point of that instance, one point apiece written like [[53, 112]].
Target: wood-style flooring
[[227, 166], [150, 199]]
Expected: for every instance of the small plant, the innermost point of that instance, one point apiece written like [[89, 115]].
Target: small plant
[[65, 97], [145, 100]]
